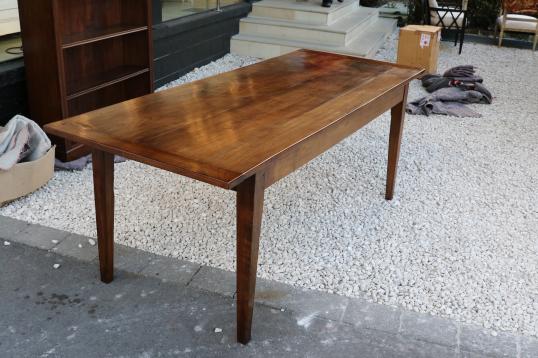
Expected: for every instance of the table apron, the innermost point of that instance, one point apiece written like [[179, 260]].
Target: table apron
[[315, 145]]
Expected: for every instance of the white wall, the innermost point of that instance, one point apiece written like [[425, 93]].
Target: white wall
[[9, 17]]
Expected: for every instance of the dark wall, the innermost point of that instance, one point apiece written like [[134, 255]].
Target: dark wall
[[185, 43], [12, 90], [179, 46]]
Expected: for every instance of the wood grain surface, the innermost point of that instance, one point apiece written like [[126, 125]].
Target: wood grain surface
[[222, 129]]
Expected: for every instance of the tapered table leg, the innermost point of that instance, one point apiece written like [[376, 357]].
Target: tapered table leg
[[395, 138], [249, 219], [103, 182]]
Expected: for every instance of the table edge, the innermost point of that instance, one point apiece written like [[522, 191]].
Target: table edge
[[238, 177], [136, 157], [291, 147]]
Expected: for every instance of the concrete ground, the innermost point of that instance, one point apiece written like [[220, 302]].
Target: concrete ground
[[159, 306]]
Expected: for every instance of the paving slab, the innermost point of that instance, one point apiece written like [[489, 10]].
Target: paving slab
[[307, 303], [429, 328], [130, 259], [275, 294], [215, 280], [479, 340], [170, 269], [529, 347], [362, 313], [465, 354], [9, 227], [77, 246], [40, 236]]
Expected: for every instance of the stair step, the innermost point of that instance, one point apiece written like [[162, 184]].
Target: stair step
[[307, 12], [373, 38], [339, 33], [211, 4], [365, 45], [395, 10]]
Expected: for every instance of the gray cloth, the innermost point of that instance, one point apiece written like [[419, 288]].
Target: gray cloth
[[77, 164], [434, 82], [81, 163], [448, 101], [488, 97], [460, 71], [21, 140]]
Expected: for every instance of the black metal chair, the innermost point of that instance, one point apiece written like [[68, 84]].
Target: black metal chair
[[448, 14]]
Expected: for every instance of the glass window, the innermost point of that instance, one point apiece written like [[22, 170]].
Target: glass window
[[10, 47], [173, 9], [10, 40]]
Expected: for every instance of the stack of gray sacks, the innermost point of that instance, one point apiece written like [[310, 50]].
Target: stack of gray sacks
[[450, 92]]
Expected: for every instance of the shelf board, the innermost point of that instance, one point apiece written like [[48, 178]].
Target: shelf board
[[87, 85], [84, 38]]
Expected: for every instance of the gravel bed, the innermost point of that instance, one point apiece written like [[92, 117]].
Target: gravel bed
[[459, 240], [224, 64]]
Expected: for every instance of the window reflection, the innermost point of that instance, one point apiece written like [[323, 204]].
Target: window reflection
[[10, 40], [10, 47], [173, 9]]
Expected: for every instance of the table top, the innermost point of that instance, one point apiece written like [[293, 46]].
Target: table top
[[222, 129]]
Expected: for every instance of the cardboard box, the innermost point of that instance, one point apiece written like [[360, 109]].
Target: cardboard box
[[419, 46], [25, 178]]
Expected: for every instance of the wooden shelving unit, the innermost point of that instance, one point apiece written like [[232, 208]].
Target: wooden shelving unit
[[81, 55]]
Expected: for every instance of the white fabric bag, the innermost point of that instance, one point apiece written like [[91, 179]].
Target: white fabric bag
[[21, 140]]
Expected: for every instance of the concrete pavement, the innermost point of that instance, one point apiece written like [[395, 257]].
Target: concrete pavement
[[160, 307]]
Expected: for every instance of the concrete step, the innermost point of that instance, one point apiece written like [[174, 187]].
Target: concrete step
[[394, 10], [365, 45], [373, 38], [306, 12], [340, 33], [211, 4]]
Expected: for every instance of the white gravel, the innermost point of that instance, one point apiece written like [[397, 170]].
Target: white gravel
[[459, 239], [224, 64]]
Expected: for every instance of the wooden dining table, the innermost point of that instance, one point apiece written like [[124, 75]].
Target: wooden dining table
[[242, 130]]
